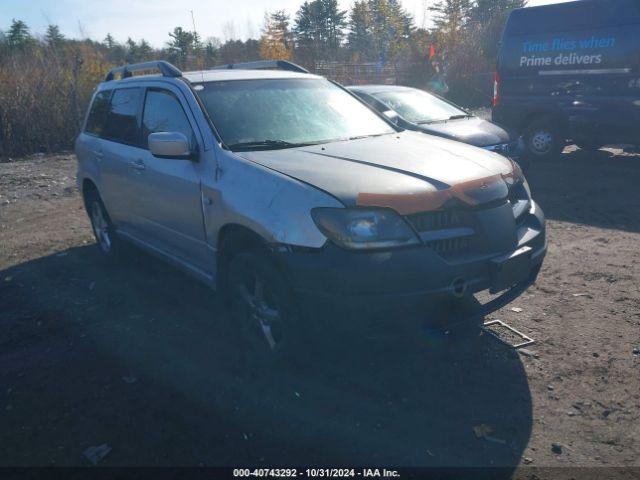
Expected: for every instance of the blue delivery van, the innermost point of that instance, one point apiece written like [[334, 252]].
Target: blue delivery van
[[570, 72]]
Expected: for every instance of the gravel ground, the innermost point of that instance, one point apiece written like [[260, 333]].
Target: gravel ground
[[134, 355]]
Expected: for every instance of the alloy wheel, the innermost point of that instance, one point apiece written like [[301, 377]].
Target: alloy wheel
[[261, 318], [101, 227], [541, 141]]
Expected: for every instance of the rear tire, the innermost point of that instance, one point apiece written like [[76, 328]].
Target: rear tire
[[544, 140], [103, 229]]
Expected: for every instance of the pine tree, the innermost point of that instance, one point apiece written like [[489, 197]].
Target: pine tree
[[379, 30], [319, 29], [275, 42], [181, 45], [451, 15], [450, 20], [132, 50], [487, 20], [18, 36], [281, 22], [53, 37], [144, 50], [211, 51], [360, 38], [109, 41]]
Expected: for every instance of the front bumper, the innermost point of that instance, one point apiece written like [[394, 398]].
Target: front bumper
[[513, 150], [357, 290]]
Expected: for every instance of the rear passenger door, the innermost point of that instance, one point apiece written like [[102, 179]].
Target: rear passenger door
[[119, 145], [169, 206]]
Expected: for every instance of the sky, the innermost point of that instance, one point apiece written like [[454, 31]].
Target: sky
[[153, 19]]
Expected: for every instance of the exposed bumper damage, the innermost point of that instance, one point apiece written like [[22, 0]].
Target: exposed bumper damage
[[397, 287]]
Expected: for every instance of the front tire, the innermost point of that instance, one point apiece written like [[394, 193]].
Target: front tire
[[263, 311], [544, 140]]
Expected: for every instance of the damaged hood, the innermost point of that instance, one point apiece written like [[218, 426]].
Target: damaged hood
[[395, 170]]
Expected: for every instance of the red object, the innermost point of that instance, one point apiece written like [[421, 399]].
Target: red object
[[496, 89], [432, 51]]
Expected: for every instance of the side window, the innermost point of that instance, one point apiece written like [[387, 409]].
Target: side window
[[98, 113], [163, 113], [123, 119]]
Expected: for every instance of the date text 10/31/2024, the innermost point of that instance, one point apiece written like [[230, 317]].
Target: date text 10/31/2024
[[316, 472]]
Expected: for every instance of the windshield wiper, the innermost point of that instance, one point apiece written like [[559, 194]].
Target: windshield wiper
[[265, 145], [457, 117], [438, 120], [358, 137]]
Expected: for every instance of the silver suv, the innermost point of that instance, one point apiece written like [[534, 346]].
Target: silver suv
[[299, 199]]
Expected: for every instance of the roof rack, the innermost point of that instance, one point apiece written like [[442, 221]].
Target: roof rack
[[264, 65], [166, 69]]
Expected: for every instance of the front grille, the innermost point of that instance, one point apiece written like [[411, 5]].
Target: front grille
[[450, 245], [446, 224], [439, 220]]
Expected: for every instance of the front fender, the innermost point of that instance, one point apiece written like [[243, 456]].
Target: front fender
[[271, 204]]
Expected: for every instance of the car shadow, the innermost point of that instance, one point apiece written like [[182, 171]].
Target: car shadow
[[136, 355], [594, 188]]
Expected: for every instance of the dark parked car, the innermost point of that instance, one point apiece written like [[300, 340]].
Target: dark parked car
[[418, 110], [570, 71]]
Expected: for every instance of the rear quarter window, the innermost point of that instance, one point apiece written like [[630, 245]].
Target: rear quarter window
[[96, 120]]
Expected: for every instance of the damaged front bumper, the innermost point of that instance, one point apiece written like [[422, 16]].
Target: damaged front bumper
[[338, 288]]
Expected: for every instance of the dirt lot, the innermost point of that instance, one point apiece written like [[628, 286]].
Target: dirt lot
[[134, 355]]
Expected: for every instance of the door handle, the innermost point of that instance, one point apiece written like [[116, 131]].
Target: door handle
[[98, 154], [137, 165]]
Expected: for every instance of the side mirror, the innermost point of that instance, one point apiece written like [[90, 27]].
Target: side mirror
[[170, 145], [392, 116]]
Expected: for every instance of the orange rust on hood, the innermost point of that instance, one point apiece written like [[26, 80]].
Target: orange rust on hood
[[406, 204]]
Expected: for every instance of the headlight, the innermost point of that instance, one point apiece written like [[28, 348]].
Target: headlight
[[363, 228]]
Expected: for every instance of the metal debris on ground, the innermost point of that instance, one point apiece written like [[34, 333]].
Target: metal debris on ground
[[507, 334], [96, 453], [484, 431], [528, 353]]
